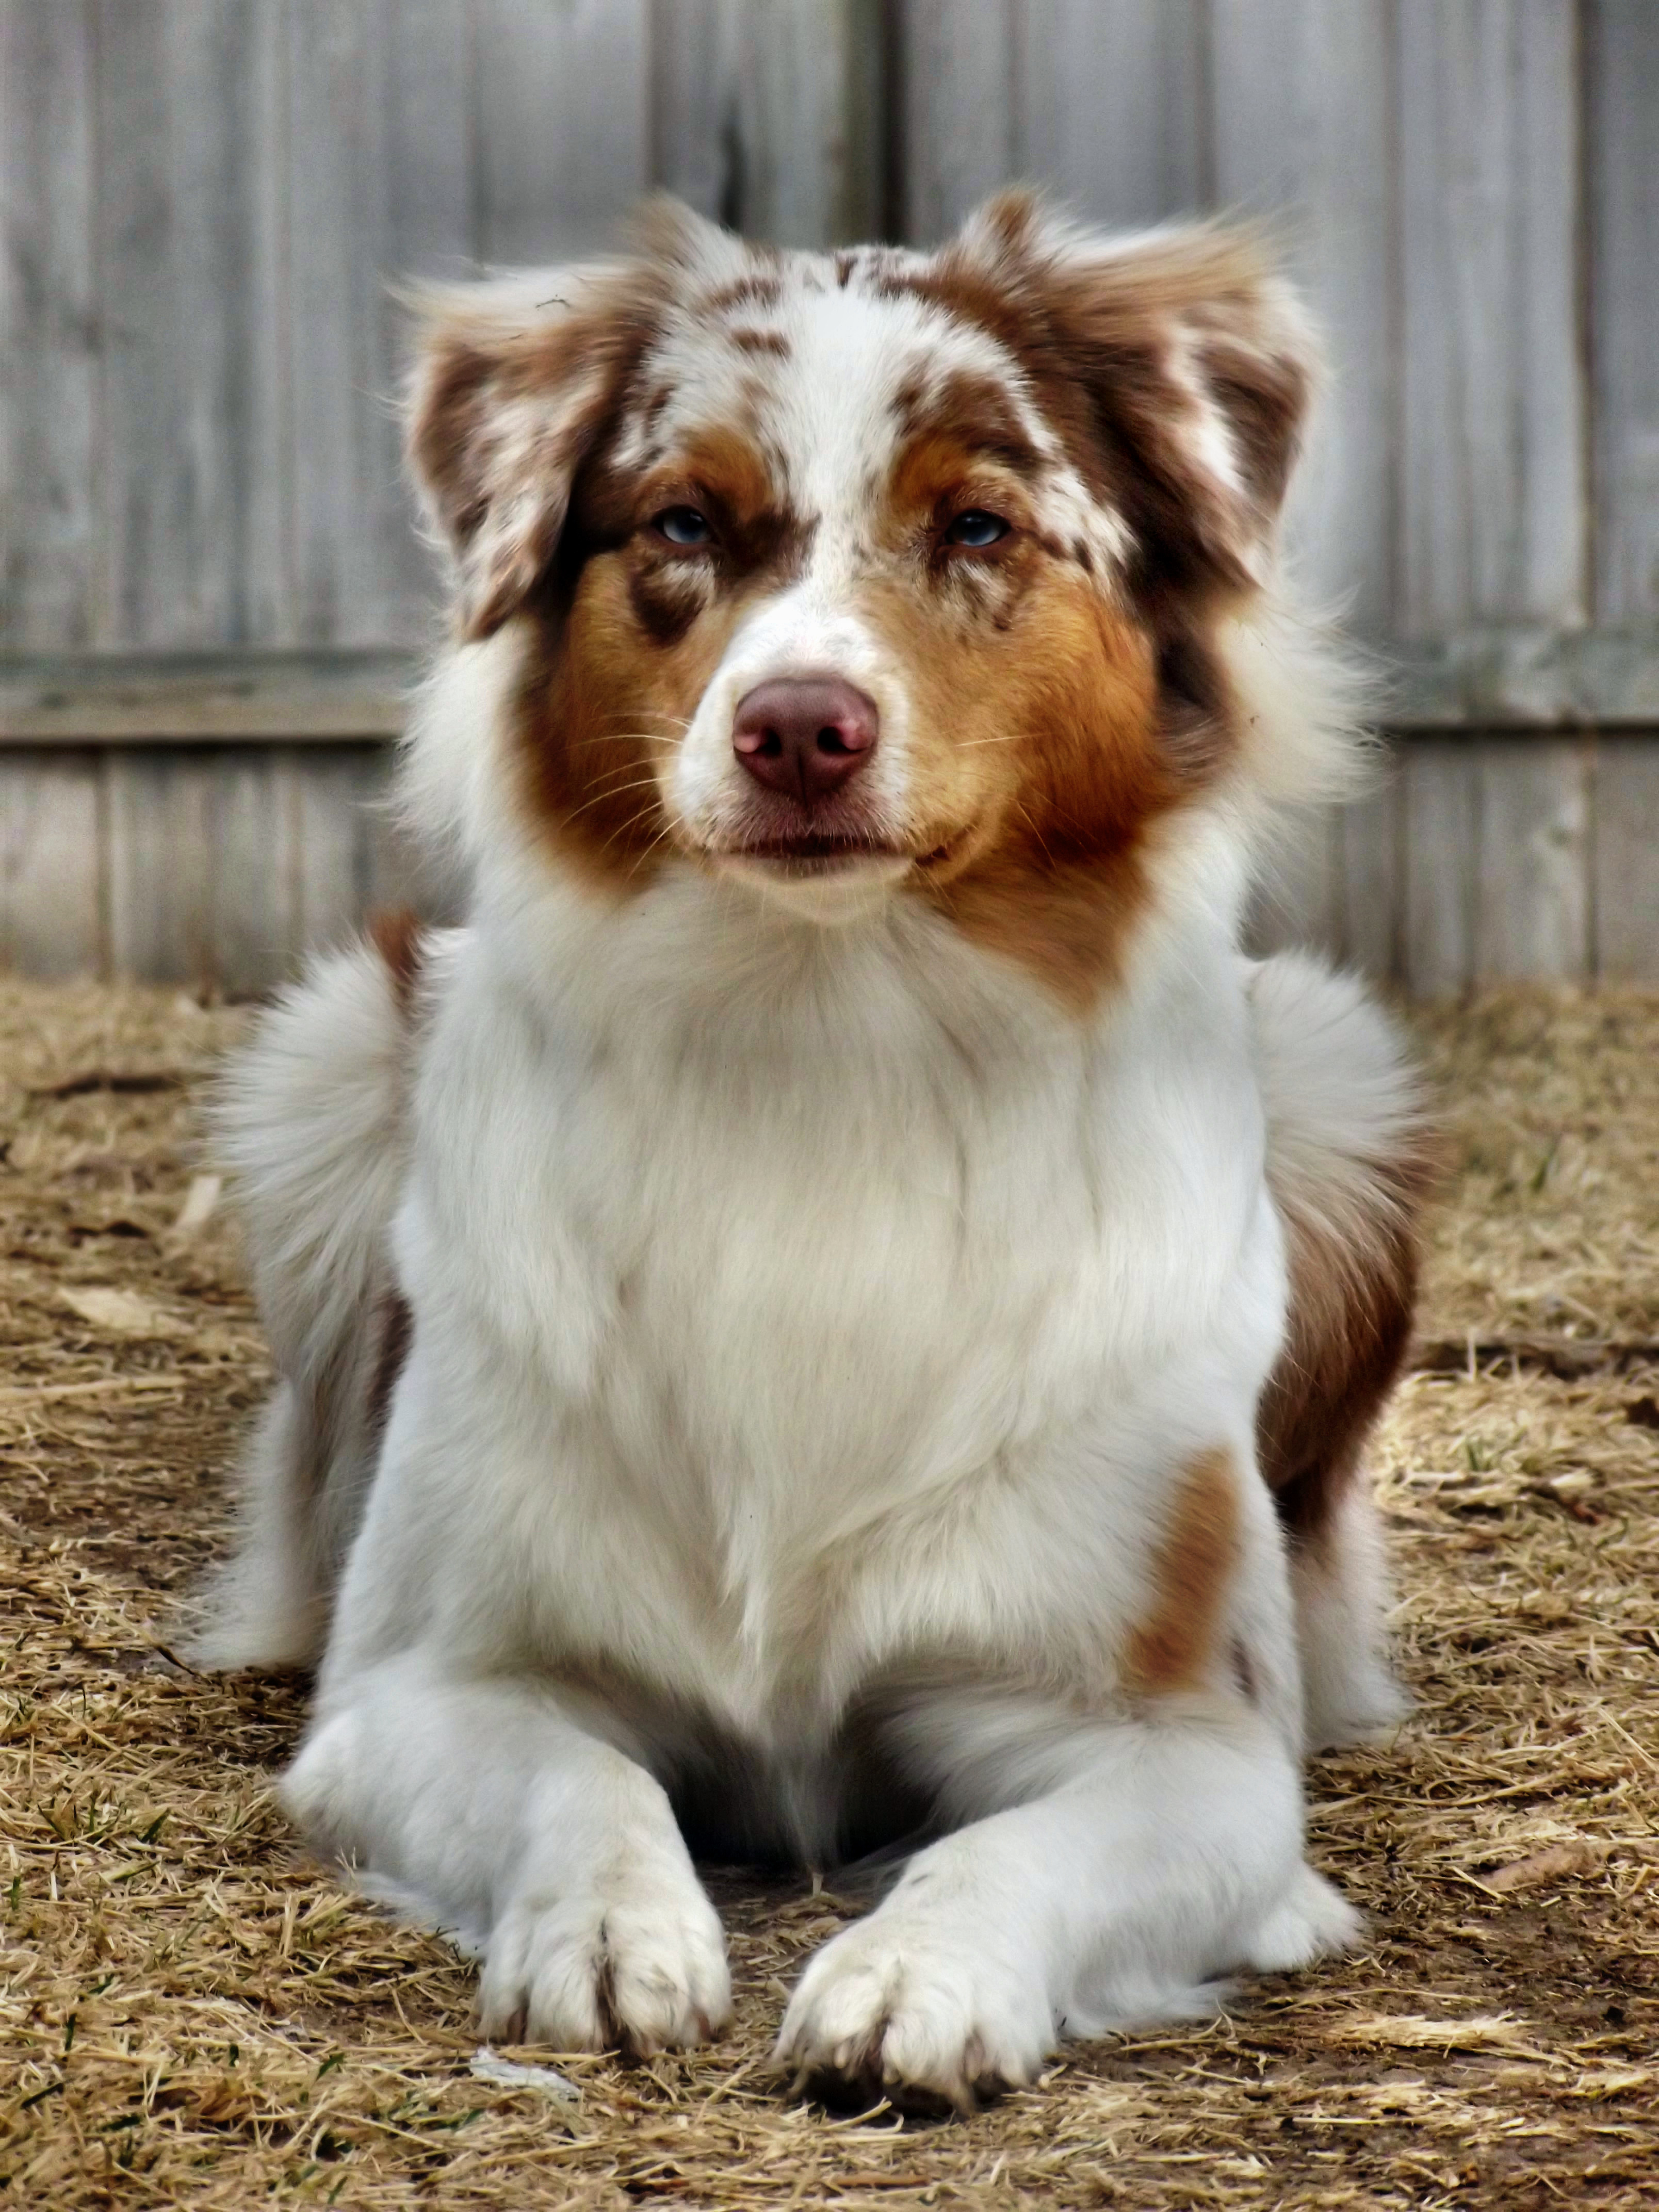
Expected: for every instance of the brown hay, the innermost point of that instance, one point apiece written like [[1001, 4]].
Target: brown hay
[[191, 2014]]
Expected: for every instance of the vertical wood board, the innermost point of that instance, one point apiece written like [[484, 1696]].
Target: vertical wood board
[[1442, 801], [51, 319], [956, 70], [1533, 903], [1303, 123], [1623, 106], [1112, 102], [1625, 872], [1492, 424], [563, 124], [51, 904], [158, 866], [186, 241]]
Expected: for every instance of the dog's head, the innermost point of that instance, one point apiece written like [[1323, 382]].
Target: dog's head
[[873, 574]]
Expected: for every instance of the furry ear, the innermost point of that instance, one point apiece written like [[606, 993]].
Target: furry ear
[[1197, 359], [513, 382]]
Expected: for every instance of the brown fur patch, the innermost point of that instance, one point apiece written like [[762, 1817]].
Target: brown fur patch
[[1174, 1648], [399, 935], [974, 413], [754, 290], [753, 340], [625, 653], [1108, 340], [394, 1326], [504, 412], [1352, 1296], [1038, 767]]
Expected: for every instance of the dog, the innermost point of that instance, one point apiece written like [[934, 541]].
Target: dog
[[840, 1311]]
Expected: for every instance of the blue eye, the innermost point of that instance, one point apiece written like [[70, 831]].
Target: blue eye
[[977, 528], [683, 526]]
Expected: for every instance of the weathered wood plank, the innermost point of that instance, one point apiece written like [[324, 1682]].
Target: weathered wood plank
[[564, 136], [811, 148], [958, 113], [50, 325], [250, 925], [1523, 676], [343, 451], [1370, 840], [202, 698], [324, 793], [1302, 124], [1112, 103], [429, 230], [159, 863], [1491, 484], [1624, 102], [1532, 904], [50, 911], [693, 126], [1443, 855], [185, 251], [769, 114], [1625, 878]]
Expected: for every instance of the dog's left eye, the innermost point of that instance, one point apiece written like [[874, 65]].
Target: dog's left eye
[[977, 528], [683, 526]]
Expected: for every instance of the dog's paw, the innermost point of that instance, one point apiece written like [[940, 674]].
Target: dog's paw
[[636, 1962], [1311, 1920], [896, 2007]]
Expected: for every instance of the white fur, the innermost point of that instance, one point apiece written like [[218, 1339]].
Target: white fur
[[802, 1317]]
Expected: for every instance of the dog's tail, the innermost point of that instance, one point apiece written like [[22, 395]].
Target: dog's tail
[[1351, 1160], [310, 1119]]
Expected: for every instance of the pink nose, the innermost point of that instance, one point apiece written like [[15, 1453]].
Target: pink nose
[[805, 735]]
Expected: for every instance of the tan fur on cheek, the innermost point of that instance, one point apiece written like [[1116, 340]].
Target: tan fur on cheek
[[1037, 755], [1175, 1646], [599, 718]]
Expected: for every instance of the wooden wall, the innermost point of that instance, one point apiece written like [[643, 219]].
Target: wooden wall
[[211, 582]]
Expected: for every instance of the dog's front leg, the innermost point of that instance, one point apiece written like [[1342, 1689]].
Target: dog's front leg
[[1166, 1852], [484, 1806]]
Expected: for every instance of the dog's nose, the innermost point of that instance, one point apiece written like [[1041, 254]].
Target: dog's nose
[[805, 735]]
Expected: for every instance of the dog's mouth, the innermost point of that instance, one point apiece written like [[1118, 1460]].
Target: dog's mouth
[[804, 858], [801, 857]]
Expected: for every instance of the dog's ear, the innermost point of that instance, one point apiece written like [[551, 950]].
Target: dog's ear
[[1196, 361], [513, 382]]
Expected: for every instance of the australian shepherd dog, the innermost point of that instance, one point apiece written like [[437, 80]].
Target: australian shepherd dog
[[841, 1311]]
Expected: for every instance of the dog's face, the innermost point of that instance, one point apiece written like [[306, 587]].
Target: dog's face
[[874, 574]]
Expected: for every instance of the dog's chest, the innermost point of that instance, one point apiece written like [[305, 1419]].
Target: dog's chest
[[839, 1315]]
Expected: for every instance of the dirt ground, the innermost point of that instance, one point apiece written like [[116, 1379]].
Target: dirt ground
[[192, 2014]]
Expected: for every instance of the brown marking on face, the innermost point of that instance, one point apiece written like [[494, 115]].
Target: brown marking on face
[[1037, 763], [749, 340], [753, 290], [1110, 342], [1353, 1289], [399, 936], [971, 412], [1174, 1648], [504, 413], [625, 653]]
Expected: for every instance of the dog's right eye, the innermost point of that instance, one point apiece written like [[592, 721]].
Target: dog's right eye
[[683, 526]]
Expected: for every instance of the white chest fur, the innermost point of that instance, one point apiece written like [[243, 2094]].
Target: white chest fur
[[782, 1306]]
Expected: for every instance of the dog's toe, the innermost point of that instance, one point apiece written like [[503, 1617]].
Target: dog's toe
[[641, 1972], [912, 2017]]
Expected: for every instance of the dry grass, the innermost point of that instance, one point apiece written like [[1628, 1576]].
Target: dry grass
[[190, 2014]]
